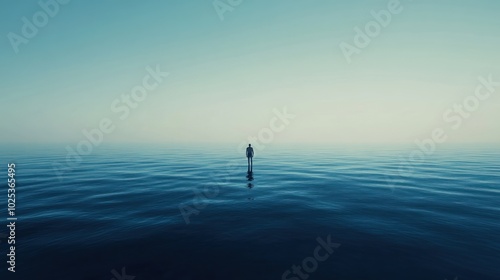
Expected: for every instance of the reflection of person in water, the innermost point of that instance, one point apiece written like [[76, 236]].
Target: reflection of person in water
[[250, 157], [250, 176]]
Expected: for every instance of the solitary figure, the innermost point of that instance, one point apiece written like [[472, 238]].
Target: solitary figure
[[250, 157]]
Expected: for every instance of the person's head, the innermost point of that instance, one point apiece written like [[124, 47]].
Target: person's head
[[249, 145]]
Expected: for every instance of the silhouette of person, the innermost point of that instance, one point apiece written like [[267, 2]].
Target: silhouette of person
[[250, 157]]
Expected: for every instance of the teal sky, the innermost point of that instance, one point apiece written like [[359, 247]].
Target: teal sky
[[226, 77]]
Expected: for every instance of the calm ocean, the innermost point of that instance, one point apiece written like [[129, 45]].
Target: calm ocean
[[117, 214]]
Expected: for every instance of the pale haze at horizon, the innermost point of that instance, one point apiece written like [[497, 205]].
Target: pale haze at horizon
[[226, 77]]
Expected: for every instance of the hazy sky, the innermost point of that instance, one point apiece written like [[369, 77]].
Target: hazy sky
[[227, 76]]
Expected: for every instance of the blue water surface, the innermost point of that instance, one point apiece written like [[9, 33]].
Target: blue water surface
[[117, 211]]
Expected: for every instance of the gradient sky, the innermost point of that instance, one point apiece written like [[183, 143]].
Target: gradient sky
[[226, 77]]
